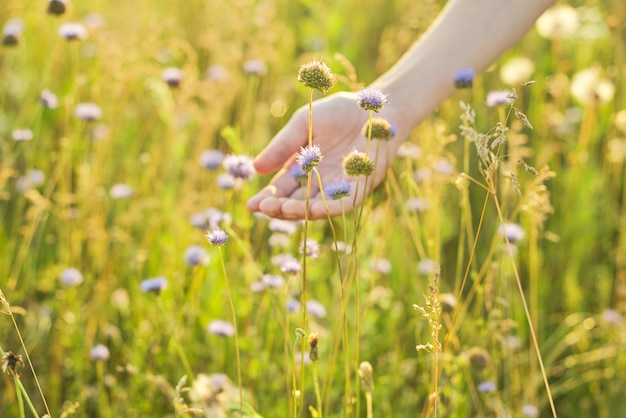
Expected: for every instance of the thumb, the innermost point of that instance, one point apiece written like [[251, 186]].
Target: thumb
[[286, 143]]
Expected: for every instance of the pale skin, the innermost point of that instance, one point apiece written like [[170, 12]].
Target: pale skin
[[467, 34]]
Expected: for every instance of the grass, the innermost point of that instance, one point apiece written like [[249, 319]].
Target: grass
[[570, 264]]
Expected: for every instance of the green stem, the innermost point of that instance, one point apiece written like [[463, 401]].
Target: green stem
[[318, 396], [18, 394]]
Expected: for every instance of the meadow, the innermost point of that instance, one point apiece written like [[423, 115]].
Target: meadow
[[478, 280]]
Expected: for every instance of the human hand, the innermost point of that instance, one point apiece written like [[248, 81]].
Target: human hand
[[337, 128]]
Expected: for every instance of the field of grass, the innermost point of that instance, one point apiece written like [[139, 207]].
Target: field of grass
[[507, 271]]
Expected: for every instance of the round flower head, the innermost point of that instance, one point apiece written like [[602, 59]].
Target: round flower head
[[121, 191], [479, 358], [11, 32], [217, 237], [337, 189], [371, 99], [464, 78], [211, 159], [57, 7], [529, 410], [486, 387], [312, 248], [22, 134], [100, 353], [381, 129], [71, 277], [88, 112], [72, 31], [154, 285], [297, 173], [316, 309], [195, 255], [48, 99], [498, 97], [239, 166], [254, 67], [172, 76], [357, 163], [513, 232], [309, 157], [316, 75], [221, 328]]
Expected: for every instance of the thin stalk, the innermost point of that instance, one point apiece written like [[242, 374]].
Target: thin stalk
[[318, 397]]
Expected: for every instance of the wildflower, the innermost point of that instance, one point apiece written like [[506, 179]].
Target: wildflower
[[517, 70], [254, 67], [217, 237], [71, 277], [512, 342], [447, 302], [443, 167], [239, 166], [48, 99], [273, 280], [279, 239], [315, 308], [427, 266], [257, 287], [280, 259], [558, 22], [464, 78], [88, 112], [381, 129], [121, 191], [337, 189], [612, 317], [291, 267], [100, 352], [366, 373], [154, 285], [409, 150], [309, 157], [72, 31], [371, 99], [57, 7], [211, 159], [293, 305], [529, 410], [32, 179], [478, 358], [221, 328], [486, 386], [11, 32], [498, 98], [297, 173], [213, 394], [195, 255], [312, 248], [357, 163], [590, 86], [382, 265], [172, 76], [279, 225], [215, 216], [313, 351], [20, 135], [316, 75], [11, 363], [511, 231], [216, 73], [226, 181]]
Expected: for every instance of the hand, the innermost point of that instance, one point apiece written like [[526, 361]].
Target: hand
[[337, 128]]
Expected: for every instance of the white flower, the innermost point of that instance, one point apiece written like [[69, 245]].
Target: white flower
[[590, 86], [558, 22]]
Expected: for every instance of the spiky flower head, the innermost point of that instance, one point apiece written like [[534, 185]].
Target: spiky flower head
[[358, 163], [381, 129], [371, 99], [316, 75], [337, 189], [464, 78], [217, 237], [366, 373], [239, 166], [297, 173], [309, 157]]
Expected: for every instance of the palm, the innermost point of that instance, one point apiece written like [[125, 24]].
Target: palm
[[337, 129]]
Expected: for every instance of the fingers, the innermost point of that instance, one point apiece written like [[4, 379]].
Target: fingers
[[286, 143]]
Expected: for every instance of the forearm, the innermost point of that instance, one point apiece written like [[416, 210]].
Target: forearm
[[467, 34]]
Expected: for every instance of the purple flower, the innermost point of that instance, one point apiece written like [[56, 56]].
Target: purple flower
[[309, 157], [316, 309], [273, 280], [529, 410], [48, 99], [211, 159], [337, 189], [217, 73], [154, 285], [226, 181], [511, 231], [239, 166], [121, 191], [217, 237], [72, 31], [172, 76], [486, 387], [11, 32], [257, 287], [100, 352], [312, 248], [279, 225], [221, 328], [22, 135], [297, 173], [612, 317], [71, 277], [88, 112], [254, 67], [464, 78], [293, 305], [195, 255], [498, 97], [427, 266], [371, 99], [32, 179]]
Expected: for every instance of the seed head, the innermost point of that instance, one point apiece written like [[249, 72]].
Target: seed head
[[313, 353], [57, 7], [309, 157], [371, 99], [381, 129], [366, 373], [357, 163], [316, 75], [479, 358], [464, 78]]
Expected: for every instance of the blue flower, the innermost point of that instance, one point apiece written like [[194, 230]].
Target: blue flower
[[297, 173], [71, 277], [486, 387], [511, 231], [217, 237], [316, 309], [309, 157], [498, 97], [195, 255], [371, 99], [211, 159], [100, 352], [464, 78], [337, 189], [154, 285], [239, 166]]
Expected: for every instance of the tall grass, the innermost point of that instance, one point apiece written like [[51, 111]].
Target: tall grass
[[436, 215]]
